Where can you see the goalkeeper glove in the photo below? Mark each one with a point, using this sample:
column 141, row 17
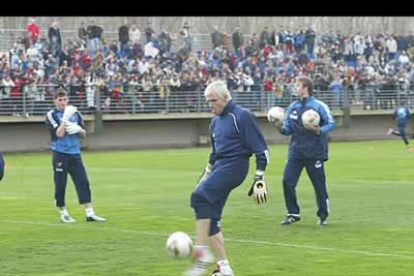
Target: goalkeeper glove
column 205, row 173
column 69, row 111
column 258, row 189
column 73, row 128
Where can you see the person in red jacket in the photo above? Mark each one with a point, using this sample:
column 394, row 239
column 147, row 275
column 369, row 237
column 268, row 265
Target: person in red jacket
column 16, row 96
column 33, row 30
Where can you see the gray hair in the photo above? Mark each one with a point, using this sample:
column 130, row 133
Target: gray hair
column 220, row 88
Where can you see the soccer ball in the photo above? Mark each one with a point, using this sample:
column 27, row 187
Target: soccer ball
column 179, row 245
column 275, row 116
column 310, row 118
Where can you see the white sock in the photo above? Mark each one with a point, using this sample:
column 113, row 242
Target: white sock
column 89, row 212
column 225, row 268
column 202, row 248
column 64, row 212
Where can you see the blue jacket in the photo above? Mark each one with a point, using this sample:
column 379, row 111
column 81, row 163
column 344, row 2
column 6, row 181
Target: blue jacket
column 305, row 143
column 235, row 133
column 401, row 114
column 69, row 144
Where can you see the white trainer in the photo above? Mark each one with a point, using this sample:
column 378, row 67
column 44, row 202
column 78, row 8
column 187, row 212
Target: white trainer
column 95, row 218
column 202, row 261
column 66, row 219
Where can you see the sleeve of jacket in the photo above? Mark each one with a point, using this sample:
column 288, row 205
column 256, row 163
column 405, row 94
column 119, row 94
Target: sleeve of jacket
column 253, row 138
column 80, row 120
column 52, row 122
column 212, row 157
column 327, row 121
column 287, row 128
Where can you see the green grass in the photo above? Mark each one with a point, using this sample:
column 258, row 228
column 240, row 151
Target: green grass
column 145, row 196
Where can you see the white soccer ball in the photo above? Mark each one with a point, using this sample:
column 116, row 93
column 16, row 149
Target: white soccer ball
column 179, row 245
column 310, row 118
column 275, row 115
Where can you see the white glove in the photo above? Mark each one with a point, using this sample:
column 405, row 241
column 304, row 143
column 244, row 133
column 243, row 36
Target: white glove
column 69, row 111
column 73, row 128
column 258, row 189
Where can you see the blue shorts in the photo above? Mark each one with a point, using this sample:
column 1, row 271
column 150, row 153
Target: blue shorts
column 210, row 196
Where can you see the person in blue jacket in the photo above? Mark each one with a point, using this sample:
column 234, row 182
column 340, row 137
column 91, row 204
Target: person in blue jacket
column 308, row 149
column 401, row 114
column 66, row 127
column 235, row 137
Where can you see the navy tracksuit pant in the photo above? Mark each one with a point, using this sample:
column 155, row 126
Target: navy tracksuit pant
column 401, row 132
column 72, row 164
column 316, row 171
column 210, row 196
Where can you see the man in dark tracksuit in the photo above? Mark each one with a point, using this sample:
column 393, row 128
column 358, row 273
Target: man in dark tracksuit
column 1, row 166
column 401, row 114
column 308, row 149
column 66, row 126
column 235, row 136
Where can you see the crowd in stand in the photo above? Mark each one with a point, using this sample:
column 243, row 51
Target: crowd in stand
column 145, row 68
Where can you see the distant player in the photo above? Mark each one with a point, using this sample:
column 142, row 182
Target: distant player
column 66, row 126
column 401, row 114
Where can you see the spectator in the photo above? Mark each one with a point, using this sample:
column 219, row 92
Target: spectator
column 55, row 39
column 83, row 34
column 94, row 35
column 123, row 37
column 33, row 30
column 134, row 34
column 336, row 88
column 391, row 48
column 264, row 38
column 149, row 32
column 310, row 37
column 215, row 37
column 165, row 41
column 237, row 41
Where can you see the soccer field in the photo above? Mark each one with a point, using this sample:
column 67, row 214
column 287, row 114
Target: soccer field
column 145, row 196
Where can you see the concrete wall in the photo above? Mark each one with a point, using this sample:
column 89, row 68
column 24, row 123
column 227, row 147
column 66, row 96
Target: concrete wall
column 162, row 133
column 347, row 24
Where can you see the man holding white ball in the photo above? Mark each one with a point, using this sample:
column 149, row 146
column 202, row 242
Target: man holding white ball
column 65, row 123
column 308, row 120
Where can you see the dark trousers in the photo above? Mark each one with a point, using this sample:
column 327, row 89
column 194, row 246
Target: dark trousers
column 210, row 196
column 316, row 172
column 401, row 133
column 72, row 164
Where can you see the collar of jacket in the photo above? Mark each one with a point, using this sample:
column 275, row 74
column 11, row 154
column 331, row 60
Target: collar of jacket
column 305, row 99
column 228, row 107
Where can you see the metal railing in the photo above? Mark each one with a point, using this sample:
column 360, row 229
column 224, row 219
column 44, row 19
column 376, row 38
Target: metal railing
column 38, row 100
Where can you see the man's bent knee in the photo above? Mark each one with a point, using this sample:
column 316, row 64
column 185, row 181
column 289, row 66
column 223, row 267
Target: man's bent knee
column 202, row 207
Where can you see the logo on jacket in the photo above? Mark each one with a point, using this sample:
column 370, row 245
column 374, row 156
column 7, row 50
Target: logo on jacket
column 318, row 164
column 294, row 115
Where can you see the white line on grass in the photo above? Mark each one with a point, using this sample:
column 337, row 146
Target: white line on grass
column 255, row 242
